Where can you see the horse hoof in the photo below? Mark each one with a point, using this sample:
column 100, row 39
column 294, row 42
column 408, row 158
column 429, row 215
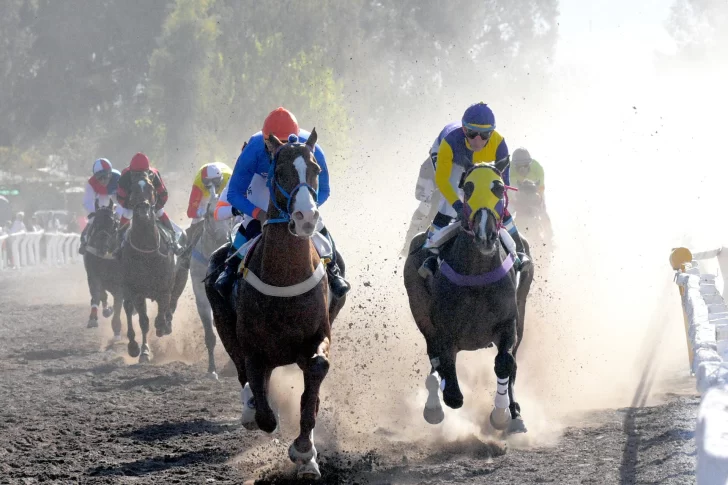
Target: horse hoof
column 133, row 349
column 309, row 471
column 302, row 458
column 107, row 312
column 144, row 358
column 212, row 375
column 116, row 338
column 433, row 412
column 517, row 426
column 453, row 402
column 160, row 332
column 500, row 418
column 92, row 323
column 248, row 418
column 168, row 329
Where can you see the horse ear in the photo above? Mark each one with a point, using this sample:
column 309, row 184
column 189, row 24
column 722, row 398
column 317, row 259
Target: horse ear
column 468, row 190
column 111, row 203
column 498, row 189
column 502, row 164
column 311, row 142
column 275, row 141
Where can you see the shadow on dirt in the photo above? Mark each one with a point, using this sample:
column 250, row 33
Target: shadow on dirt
column 98, row 370
column 159, row 464
column 165, row 431
column 158, row 383
column 50, row 354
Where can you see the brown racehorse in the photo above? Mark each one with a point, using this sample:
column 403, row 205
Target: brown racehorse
column 283, row 307
column 147, row 266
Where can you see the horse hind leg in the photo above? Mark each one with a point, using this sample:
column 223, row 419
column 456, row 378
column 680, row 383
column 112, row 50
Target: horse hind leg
column 116, row 317
column 107, row 311
column 302, row 451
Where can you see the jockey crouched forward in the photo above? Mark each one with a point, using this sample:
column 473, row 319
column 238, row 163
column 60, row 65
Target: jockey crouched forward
column 248, row 194
column 212, row 178
column 474, row 141
column 140, row 163
column 100, row 190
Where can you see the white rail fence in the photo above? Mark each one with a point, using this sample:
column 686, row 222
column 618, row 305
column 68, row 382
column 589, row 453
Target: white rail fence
column 23, row 249
column 706, row 329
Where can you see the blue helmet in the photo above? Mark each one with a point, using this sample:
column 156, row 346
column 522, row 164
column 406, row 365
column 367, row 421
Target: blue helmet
column 479, row 117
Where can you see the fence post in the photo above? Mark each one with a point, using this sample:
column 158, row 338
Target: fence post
column 678, row 258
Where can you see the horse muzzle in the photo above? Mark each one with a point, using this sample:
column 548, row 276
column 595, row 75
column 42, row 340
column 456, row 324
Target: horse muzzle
column 485, row 228
column 304, row 222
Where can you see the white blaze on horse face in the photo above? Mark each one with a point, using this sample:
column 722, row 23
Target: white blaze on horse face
column 304, row 211
column 483, row 225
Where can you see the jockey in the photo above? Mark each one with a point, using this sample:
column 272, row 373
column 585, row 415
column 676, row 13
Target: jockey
column 526, row 168
column 100, row 190
column 250, row 197
column 475, row 141
column 140, row 163
column 211, row 177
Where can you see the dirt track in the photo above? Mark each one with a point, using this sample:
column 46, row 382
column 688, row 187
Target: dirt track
column 72, row 411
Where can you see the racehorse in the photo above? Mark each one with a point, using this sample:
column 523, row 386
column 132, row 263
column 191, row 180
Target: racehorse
column 475, row 299
column 147, row 262
column 214, row 234
column 283, row 308
column 102, row 268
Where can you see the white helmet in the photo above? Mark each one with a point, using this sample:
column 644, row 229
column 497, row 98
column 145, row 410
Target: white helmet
column 211, row 174
column 521, row 157
column 102, row 165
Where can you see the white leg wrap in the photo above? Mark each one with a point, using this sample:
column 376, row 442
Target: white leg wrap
column 501, row 396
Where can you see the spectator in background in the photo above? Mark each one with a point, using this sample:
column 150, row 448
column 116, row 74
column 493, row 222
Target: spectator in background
column 18, row 225
column 73, row 224
column 34, row 226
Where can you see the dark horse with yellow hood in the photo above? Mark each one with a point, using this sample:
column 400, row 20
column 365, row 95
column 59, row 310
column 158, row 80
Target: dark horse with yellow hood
column 475, row 300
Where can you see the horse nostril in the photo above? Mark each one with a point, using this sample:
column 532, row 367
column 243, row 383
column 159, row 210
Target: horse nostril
column 298, row 215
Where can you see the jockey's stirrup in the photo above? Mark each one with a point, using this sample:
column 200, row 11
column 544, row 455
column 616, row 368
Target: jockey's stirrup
column 339, row 286
column 522, row 261
column 429, row 266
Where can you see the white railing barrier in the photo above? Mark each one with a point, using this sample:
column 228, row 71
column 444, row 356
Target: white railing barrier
column 23, row 249
column 706, row 329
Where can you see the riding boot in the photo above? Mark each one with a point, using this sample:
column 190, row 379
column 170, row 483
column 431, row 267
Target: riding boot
column 522, row 259
column 339, row 286
column 84, row 239
column 224, row 282
column 430, row 265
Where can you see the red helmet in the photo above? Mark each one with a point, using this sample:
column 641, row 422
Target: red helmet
column 281, row 123
column 139, row 163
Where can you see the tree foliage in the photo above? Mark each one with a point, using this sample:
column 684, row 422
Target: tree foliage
column 187, row 81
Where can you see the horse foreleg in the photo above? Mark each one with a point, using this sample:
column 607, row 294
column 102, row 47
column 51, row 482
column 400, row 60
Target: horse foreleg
column 303, row 451
column 132, row 347
column 506, row 414
column 445, row 366
column 163, row 321
column 203, row 309
column 258, row 374
column 94, row 286
column 140, row 303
